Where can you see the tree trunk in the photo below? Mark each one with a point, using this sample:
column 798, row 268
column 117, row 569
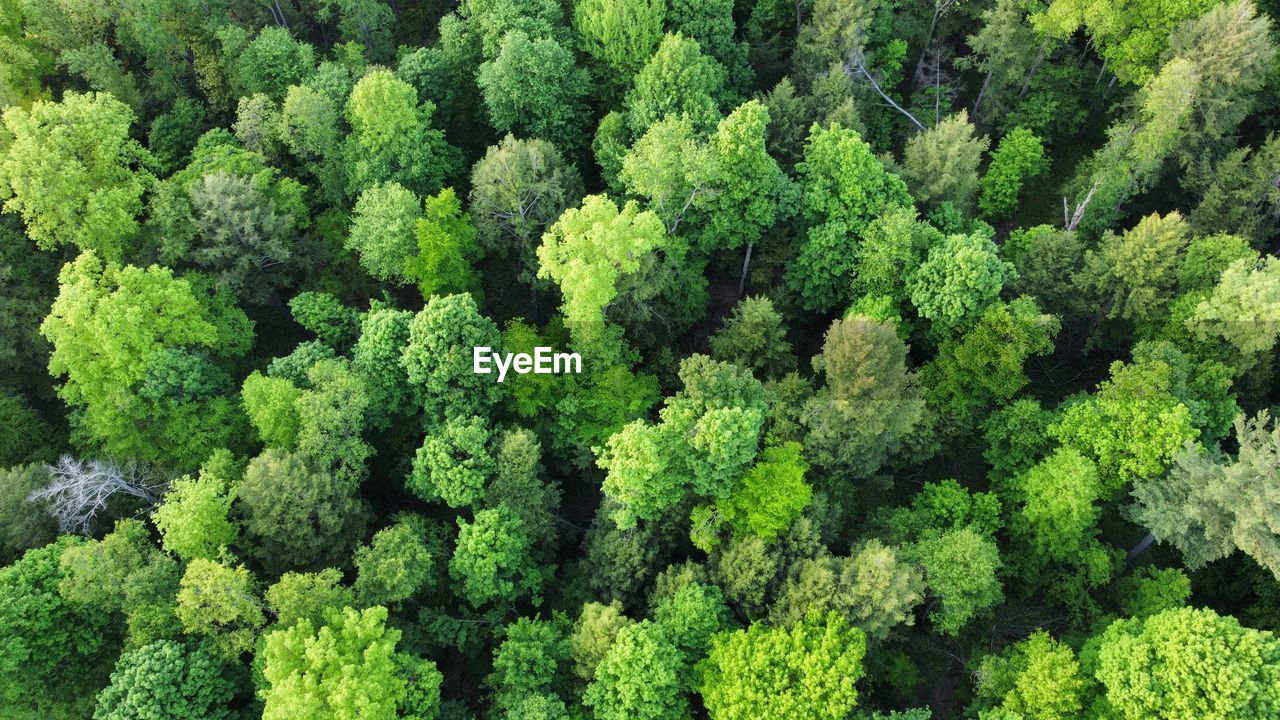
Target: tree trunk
column 981, row 94
column 928, row 38
column 1138, row 549
column 746, row 262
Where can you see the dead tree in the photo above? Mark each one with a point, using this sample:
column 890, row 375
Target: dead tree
column 81, row 489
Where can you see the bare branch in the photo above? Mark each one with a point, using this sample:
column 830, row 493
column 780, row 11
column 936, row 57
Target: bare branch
column 80, row 489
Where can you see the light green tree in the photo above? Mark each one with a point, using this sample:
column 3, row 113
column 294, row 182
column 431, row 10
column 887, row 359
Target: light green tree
column 806, row 671
column 71, row 171
column 1189, row 663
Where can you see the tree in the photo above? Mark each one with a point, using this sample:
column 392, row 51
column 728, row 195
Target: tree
column 1057, row 514
column 346, row 667
column 395, row 565
column 940, row 165
column 869, row 402
column 984, row 368
column 1242, row 309
column 1018, row 158
column 384, row 221
column 1131, row 38
column 1133, row 274
column 107, row 324
column 219, row 603
column 384, row 333
column 242, row 238
column 617, row 266
column 957, row 281
column 708, row 435
column 748, row 191
column 296, row 516
column 53, row 647
column 1188, row 663
column 619, row 36
column 494, row 559
column 438, row 358
column 447, row 248
column 639, row 677
column 807, row 671
column 1131, row 427
column 272, row 62
column 1207, row 507
column 454, row 464
column 875, row 589
column 893, row 246
column 770, row 496
column 843, row 188
column 960, row 571
column 677, row 80
column 527, row 665
column 392, row 139
column 1038, row 677
column 322, row 313
column 270, row 403
column 78, row 491
column 298, row 596
column 711, row 24
column 518, row 483
column 193, row 518
column 753, row 336
column 534, row 88
column 593, row 634
column 168, row 679
column 24, row 524
column 1042, row 256
column 518, row 189
column 71, row 171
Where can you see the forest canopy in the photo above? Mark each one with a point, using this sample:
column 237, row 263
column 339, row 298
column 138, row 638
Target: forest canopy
column 927, row 359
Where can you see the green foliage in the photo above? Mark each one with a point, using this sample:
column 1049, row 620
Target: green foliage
column 940, row 165
column 392, row 139
column 394, row 565
column 1188, row 663
column 193, row 519
column 869, row 402
column 219, row 603
column 24, row 524
column 960, row 570
column 382, row 230
column 346, row 667
column 299, row 596
column 641, row 676
column 843, row 189
column 69, row 170
column 1207, row 507
column 619, row 36
column 250, row 251
column 874, row 589
column 806, row 671
column 167, row 679
column 50, row 643
column 1019, row 157
column 447, row 248
column 106, row 326
column 454, row 464
column 532, row 87
column 494, row 560
column 958, row 280
column 1131, row 427
column 438, row 358
column 1038, row 677
column 294, row 515
column 754, row 337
